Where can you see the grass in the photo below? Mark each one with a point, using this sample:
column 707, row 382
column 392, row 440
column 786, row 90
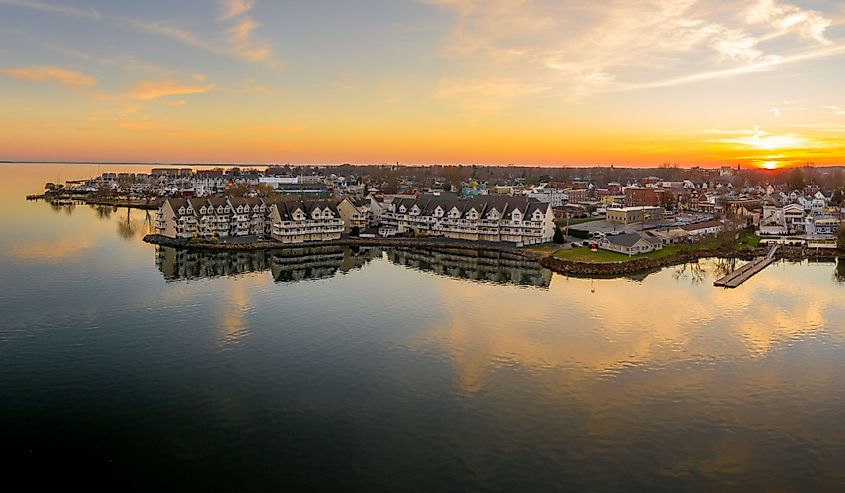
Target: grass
column 581, row 220
column 584, row 254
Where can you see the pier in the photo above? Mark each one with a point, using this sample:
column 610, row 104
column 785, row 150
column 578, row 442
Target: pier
column 747, row 271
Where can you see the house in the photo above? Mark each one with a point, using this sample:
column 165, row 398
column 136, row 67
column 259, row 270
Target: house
column 498, row 218
column 631, row 243
column 637, row 196
column 793, row 217
column 671, row 236
column 304, row 221
column 704, row 228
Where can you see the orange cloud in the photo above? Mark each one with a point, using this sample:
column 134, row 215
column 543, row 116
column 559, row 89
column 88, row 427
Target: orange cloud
column 234, row 8
column 240, row 35
column 65, row 77
column 155, row 89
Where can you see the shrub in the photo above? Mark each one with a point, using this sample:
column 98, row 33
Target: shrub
column 198, row 240
column 558, row 238
column 579, row 233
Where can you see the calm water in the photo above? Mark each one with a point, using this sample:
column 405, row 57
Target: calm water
column 401, row 370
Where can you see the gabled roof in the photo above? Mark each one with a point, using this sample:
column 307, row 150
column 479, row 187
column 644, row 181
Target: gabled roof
column 704, row 225
column 483, row 204
column 287, row 208
column 627, row 239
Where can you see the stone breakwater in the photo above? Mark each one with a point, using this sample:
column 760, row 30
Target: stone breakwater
column 374, row 242
column 637, row 265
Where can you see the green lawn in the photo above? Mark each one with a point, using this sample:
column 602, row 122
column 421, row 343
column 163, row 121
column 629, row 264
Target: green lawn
column 581, row 220
column 584, row 254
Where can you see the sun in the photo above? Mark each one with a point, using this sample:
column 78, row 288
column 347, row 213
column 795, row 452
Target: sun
column 770, row 164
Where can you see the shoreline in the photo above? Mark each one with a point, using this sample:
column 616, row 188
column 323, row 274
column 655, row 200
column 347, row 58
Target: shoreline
column 129, row 204
column 156, row 239
column 569, row 267
column 556, row 265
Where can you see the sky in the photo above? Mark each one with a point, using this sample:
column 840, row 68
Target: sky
column 528, row 82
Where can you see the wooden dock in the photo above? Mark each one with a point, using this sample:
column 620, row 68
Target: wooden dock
column 748, row 270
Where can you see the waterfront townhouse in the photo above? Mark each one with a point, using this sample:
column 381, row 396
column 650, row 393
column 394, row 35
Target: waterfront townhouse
column 354, row 213
column 303, row 221
column 517, row 220
column 196, row 216
column 250, row 216
column 176, row 219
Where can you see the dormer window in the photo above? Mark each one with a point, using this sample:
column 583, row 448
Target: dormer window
column 438, row 212
column 181, row 210
column 415, row 210
column 402, row 209
column 227, row 209
column 316, row 214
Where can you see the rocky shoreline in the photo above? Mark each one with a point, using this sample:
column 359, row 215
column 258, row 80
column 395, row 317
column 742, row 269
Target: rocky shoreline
column 160, row 240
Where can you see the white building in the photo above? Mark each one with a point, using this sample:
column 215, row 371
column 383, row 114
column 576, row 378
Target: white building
column 496, row 218
column 298, row 222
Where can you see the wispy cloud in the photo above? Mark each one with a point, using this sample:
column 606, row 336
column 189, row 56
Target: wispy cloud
column 240, row 36
column 582, row 48
column 65, row 77
column 790, row 18
column 156, row 89
column 234, row 8
column 89, row 13
column 236, row 37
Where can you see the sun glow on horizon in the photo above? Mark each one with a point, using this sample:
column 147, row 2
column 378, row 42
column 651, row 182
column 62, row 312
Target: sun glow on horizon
column 104, row 81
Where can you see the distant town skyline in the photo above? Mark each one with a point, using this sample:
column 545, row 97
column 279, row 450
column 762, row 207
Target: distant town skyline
column 527, row 82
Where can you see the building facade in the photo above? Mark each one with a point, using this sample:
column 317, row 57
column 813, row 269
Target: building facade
column 517, row 220
column 305, row 221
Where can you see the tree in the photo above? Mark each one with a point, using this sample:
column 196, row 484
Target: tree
column 558, row 237
column 840, row 237
column 796, row 179
column 354, row 231
column 837, row 197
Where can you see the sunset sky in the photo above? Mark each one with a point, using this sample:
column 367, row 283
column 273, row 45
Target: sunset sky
column 549, row 82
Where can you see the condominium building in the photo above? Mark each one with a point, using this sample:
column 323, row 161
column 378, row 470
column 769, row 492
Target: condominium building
column 213, row 217
column 298, row 222
column 517, row 220
column 354, row 213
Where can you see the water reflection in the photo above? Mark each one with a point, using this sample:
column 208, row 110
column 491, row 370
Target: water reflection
column 494, row 267
column 302, row 264
column 839, row 273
